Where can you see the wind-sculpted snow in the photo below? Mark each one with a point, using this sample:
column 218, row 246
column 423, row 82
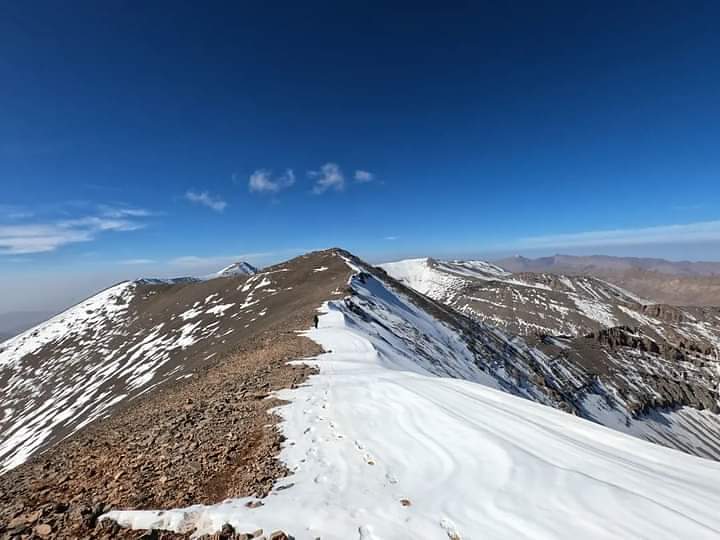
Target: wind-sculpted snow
column 122, row 343
column 382, row 444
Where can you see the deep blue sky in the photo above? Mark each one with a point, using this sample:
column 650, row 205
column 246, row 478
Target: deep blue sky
column 485, row 129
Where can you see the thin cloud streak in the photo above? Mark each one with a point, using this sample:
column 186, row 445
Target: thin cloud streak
column 137, row 261
column 44, row 236
column 203, row 198
column 706, row 231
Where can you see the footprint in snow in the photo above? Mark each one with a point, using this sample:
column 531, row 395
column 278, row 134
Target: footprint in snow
column 366, row 533
column 366, row 455
column 391, row 477
column 321, row 479
column 450, row 529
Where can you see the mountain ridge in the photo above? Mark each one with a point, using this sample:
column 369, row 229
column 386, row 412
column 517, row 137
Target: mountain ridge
column 149, row 405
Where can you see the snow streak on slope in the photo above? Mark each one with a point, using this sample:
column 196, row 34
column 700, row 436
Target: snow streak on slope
column 381, row 447
column 108, row 304
column 25, row 429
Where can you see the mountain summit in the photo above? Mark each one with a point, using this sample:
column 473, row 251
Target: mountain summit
column 238, row 268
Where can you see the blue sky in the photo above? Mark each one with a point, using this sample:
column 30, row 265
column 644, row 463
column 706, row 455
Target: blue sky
column 165, row 138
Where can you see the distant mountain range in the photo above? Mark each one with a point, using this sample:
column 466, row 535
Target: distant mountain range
column 590, row 262
column 681, row 283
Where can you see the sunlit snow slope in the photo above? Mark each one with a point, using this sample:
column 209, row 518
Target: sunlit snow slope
column 401, row 436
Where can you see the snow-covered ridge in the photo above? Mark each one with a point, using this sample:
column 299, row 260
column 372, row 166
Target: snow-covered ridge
column 107, row 305
column 401, row 435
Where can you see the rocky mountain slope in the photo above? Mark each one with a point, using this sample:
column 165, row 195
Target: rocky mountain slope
column 121, row 343
column 150, row 404
column 681, row 283
column 647, row 369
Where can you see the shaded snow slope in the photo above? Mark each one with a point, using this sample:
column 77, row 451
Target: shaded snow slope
column 383, row 444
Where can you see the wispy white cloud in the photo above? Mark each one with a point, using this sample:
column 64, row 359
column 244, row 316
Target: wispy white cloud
column 706, row 231
column 328, row 177
column 205, row 199
column 136, row 261
column 362, row 177
column 40, row 237
column 262, row 181
column 100, row 223
column 124, row 212
column 391, row 238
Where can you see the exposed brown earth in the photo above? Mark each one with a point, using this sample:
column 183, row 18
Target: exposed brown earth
column 197, row 440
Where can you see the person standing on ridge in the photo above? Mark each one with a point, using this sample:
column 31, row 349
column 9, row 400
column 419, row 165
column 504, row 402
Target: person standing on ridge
column 316, row 320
